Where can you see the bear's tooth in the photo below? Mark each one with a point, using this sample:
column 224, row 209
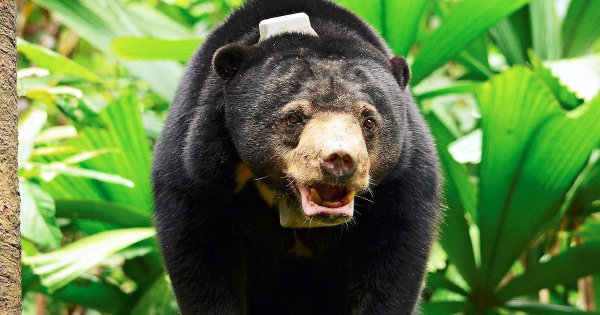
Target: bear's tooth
column 351, row 194
column 315, row 196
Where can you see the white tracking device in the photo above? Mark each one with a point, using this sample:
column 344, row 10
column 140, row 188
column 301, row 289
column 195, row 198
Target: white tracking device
column 293, row 23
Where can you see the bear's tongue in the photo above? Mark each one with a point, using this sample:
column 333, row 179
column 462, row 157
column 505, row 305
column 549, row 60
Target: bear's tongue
column 327, row 200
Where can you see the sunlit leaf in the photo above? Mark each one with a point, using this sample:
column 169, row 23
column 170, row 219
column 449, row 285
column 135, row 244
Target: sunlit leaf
column 580, row 28
column 509, row 43
column 49, row 171
column 84, row 156
column 99, row 22
column 46, row 58
column 140, row 48
column 467, row 149
column 56, row 133
column 153, row 125
column 50, row 151
column 581, row 75
column 30, row 124
column 125, row 136
column 567, row 98
column 371, row 11
column 545, row 29
column 524, row 174
column 38, row 221
column 70, row 101
column 58, row 268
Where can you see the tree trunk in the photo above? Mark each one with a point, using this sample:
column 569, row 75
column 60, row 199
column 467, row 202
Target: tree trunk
column 10, row 244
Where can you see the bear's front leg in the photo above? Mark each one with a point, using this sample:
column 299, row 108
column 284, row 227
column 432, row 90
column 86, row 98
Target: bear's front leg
column 390, row 247
column 205, row 262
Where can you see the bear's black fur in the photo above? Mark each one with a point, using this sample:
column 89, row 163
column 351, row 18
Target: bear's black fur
column 226, row 252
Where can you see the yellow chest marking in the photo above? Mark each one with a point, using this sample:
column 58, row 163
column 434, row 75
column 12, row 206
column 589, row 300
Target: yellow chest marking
column 243, row 175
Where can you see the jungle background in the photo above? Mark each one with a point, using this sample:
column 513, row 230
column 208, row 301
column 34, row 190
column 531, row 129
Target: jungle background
column 508, row 87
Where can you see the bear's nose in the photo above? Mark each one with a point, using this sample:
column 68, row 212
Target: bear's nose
column 338, row 164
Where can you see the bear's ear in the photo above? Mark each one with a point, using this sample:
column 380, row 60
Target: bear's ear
column 400, row 70
column 228, row 59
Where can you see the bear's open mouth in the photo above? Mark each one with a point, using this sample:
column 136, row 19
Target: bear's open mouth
column 326, row 200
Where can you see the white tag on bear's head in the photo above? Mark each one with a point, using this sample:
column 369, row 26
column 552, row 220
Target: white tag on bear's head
column 293, row 23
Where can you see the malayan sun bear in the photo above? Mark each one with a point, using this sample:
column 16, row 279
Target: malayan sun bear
column 295, row 174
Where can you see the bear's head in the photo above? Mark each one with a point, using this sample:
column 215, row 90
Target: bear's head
column 318, row 122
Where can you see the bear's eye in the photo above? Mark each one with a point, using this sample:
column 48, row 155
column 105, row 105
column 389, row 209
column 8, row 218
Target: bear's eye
column 369, row 123
column 294, row 119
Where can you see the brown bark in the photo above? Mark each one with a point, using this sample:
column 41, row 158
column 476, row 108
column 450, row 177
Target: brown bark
column 10, row 244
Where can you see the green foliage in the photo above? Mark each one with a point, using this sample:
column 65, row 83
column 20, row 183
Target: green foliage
column 469, row 20
column 135, row 48
column 46, row 58
column 516, row 126
column 580, row 31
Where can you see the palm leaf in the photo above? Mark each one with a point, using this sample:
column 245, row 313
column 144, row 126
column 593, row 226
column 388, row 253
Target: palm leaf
column 58, row 268
column 99, row 22
column 532, row 152
column 542, row 309
column 585, row 257
column 460, row 198
column 580, row 30
column 468, row 21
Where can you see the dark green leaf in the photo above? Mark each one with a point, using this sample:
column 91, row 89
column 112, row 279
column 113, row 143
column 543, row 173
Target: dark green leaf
column 460, row 195
column 105, row 211
column 445, row 308
column 475, row 59
column 92, row 293
column 542, row 309
column 158, row 298
column 469, row 20
column 568, row 266
column 437, row 280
